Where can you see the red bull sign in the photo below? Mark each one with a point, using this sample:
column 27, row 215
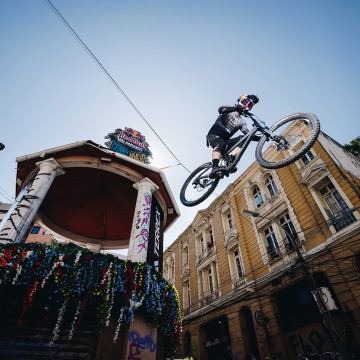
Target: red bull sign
column 129, row 142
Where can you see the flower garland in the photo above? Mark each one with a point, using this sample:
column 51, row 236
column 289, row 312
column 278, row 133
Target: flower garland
column 95, row 282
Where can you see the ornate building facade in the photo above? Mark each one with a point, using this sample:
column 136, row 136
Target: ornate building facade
column 271, row 268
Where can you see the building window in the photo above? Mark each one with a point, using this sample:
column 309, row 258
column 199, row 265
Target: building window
column 172, row 269
column 185, row 256
column 229, row 220
column 35, row 230
column 211, row 286
column 339, row 213
column 202, row 245
column 167, row 272
column 258, row 198
column 46, row 232
column 307, row 157
column 211, row 238
column 186, row 295
column 272, row 244
column 271, row 186
column 289, row 231
column 238, row 266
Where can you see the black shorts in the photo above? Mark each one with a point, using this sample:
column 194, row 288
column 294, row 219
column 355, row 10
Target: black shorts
column 219, row 144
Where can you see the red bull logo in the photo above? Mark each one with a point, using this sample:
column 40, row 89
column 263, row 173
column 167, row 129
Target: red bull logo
column 134, row 133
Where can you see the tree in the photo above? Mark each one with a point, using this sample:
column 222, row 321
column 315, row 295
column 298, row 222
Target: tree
column 354, row 146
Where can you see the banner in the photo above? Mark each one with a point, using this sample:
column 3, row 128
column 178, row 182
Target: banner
column 156, row 235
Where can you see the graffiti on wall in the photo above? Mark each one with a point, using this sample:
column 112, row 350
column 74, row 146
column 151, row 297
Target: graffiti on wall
column 141, row 341
column 314, row 345
column 138, row 345
column 329, row 355
column 142, row 221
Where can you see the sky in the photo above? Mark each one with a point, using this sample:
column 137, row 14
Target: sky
column 177, row 62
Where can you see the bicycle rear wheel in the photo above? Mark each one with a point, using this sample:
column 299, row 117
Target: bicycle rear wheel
column 291, row 138
column 198, row 186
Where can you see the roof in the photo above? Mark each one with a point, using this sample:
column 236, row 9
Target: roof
column 94, row 201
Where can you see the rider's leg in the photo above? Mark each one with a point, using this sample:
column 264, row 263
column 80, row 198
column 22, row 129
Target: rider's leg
column 215, row 158
column 218, row 145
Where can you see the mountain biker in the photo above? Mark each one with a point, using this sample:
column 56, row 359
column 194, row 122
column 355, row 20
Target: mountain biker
column 226, row 125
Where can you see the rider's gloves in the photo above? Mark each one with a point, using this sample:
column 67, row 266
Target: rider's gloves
column 239, row 109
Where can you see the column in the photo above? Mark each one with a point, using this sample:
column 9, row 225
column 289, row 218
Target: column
column 139, row 238
column 16, row 227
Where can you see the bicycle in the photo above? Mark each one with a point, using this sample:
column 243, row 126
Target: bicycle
column 279, row 146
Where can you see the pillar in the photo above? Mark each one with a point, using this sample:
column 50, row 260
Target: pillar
column 139, row 237
column 16, row 227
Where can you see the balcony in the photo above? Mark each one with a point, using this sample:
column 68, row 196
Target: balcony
column 209, row 298
column 237, row 283
column 342, row 219
column 205, row 254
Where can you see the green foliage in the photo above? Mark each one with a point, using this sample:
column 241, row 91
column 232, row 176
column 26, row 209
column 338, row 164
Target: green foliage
column 354, row 146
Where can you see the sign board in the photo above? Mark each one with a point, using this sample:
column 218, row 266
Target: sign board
column 129, row 142
column 156, row 234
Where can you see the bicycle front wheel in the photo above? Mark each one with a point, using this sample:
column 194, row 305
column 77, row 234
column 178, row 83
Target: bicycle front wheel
column 291, row 138
column 198, row 186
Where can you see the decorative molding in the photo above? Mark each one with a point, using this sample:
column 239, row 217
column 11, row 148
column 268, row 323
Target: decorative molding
column 313, row 174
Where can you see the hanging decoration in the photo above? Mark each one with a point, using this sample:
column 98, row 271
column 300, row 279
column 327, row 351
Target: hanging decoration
column 74, row 280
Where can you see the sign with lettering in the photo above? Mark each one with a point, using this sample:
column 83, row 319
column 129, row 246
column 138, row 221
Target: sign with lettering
column 156, row 233
column 129, row 142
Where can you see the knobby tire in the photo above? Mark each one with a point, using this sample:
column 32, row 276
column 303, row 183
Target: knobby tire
column 299, row 119
column 209, row 185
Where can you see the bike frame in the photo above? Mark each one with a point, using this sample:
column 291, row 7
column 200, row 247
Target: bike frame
column 245, row 140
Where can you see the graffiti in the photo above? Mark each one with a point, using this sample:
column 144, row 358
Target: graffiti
column 18, row 211
column 133, row 352
column 329, row 355
column 138, row 343
column 261, row 336
column 157, row 232
column 315, row 341
column 142, row 223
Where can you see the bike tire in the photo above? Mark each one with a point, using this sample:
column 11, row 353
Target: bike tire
column 300, row 129
column 198, row 182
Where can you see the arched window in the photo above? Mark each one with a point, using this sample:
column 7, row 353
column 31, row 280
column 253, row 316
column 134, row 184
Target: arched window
column 258, row 198
column 271, row 186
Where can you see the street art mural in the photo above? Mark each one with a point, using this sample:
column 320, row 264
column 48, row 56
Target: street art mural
column 141, row 343
column 142, row 223
column 129, row 142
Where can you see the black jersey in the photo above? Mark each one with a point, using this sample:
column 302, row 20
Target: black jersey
column 228, row 123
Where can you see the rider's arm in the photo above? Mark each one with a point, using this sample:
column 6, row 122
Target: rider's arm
column 229, row 109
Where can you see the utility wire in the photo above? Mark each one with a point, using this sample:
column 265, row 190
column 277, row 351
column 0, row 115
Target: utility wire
column 77, row 37
column 6, row 195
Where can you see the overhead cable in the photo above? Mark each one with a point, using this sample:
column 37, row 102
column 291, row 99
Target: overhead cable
column 77, row 37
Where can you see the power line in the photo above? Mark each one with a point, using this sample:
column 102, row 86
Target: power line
column 6, row 195
column 77, row 37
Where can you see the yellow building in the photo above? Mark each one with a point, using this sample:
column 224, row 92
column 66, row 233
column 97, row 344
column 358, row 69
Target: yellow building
column 281, row 278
